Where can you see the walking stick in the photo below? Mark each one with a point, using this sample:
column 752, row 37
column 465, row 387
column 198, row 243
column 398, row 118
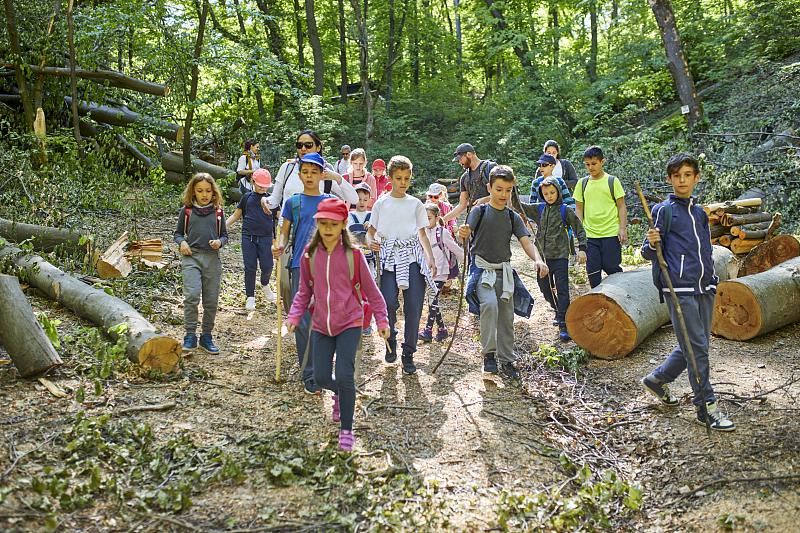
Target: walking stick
column 280, row 324
column 663, row 265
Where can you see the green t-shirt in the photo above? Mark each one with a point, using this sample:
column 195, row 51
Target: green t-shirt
column 600, row 213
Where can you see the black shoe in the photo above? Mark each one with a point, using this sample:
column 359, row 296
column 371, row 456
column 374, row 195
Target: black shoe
column 312, row 388
column 408, row 364
column 206, row 343
column 563, row 334
column 391, row 351
column 490, row 364
column 509, row 370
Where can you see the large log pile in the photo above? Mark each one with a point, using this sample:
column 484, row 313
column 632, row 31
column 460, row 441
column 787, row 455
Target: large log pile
column 739, row 226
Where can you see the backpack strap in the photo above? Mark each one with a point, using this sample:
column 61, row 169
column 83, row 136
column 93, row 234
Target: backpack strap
column 295, row 215
column 245, row 197
column 353, row 218
column 611, row 186
column 666, row 212
column 585, row 180
column 187, row 211
column 564, row 214
column 482, row 211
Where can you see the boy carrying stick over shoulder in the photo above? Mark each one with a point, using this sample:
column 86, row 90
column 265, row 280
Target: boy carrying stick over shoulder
column 491, row 278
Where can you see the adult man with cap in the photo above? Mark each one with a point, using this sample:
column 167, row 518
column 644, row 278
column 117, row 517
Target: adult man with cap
column 342, row 166
column 473, row 182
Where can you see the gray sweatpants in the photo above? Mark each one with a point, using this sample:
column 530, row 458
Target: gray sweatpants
column 202, row 275
column 497, row 321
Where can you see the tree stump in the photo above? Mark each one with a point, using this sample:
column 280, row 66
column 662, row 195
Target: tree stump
column 112, row 263
column 773, row 252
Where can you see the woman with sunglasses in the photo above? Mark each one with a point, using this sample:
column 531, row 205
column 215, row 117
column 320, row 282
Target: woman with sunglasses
column 562, row 169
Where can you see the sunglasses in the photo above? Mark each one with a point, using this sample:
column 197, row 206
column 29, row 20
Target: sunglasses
column 308, row 145
column 545, row 165
column 345, row 153
column 433, row 196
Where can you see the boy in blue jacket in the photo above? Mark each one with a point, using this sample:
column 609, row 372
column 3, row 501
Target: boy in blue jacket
column 687, row 251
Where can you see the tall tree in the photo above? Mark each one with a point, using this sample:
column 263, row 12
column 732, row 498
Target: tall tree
column 73, row 82
column 316, row 48
column 556, row 35
column 363, row 61
column 394, row 46
column 342, row 54
column 591, row 66
column 459, row 46
column 298, row 21
column 275, row 43
column 22, row 84
column 187, row 130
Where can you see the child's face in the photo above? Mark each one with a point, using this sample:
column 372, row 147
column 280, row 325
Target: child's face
column 433, row 198
column 363, row 200
column 546, row 169
column 401, row 181
column 358, row 164
column 431, row 220
column 259, row 189
column 683, row 181
column 310, row 175
column 500, row 192
column 203, row 193
column 549, row 193
column 378, row 172
column 330, row 231
column 594, row 165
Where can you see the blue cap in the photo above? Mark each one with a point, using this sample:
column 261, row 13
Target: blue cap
column 315, row 158
column 546, row 158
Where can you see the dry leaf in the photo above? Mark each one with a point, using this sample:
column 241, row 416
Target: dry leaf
column 54, row 389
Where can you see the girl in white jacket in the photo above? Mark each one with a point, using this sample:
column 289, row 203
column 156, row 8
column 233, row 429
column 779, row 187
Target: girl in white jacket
column 446, row 252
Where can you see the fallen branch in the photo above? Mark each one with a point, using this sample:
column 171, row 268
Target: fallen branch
column 727, row 481
column 112, row 78
column 44, row 239
column 156, row 407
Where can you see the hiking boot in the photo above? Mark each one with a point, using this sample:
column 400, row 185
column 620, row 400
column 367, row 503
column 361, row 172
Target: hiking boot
column 189, row 343
column 391, row 351
column 555, row 319
column 336, row 415
column 490, row 364
column 442, row 335
column 269, row 296
column 347, row 440
column 312, row 388
column 250, row 305
column 659, row 390
column 426, row 335
column 207, row 344
column 509, row 370
column 718, row 420
column 408, row 364
column 367, row 331
column 563, row 334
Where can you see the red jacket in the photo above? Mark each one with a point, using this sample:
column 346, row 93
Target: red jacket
column 336, row 306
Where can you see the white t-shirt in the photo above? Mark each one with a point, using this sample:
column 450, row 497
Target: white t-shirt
column 398, row 218
column 244, row 166
column 287, row 183
column 361, row 216
column 342, row 167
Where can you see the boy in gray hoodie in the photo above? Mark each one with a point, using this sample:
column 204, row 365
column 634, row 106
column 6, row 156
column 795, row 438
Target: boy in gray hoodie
column 553, row 218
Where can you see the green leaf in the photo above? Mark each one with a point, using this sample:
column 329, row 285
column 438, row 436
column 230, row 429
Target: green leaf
column 98, row 388
column 80, row 394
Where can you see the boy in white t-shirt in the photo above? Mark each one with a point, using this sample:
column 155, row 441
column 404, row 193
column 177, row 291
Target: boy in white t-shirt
column 405, row 257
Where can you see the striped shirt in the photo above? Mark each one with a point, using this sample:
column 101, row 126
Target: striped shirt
column 398, row 254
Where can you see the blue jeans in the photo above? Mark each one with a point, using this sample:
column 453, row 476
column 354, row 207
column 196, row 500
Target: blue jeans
column 413, row 301
column 302, row 336
column 344, row 345
column 256, row 250
column 602, row 255
column 698, row 310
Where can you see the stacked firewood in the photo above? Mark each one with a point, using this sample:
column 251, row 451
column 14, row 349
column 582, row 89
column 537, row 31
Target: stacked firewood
column 739, row 226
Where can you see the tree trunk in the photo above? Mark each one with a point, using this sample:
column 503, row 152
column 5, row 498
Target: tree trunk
column 718, row 231
column 738, row 220
column 145, row 345
column 736, row 230
column 113, row 78
column 73, row 83
column 38, row 86
column 19, row 75
column 556, row 40
column 363, row 58
column 591, row 66
column 616, row 316
column 298, row 21
column 44, row 239
column 316, row 49
column 735, row 210
column 125, row 117
column 753, row 305
column 771, row 253
column 174, row 162
column 391, row 57
column 198, row 50
column 342, row 55
column 676, row 60
column 20, row 332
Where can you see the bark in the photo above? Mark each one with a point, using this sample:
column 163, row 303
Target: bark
column 718, row 231
column 112, row 263
column 111, row 77
column 738, row 220
column 735, row 210
column 342, row 55
column 676, row 60
column 750, row 202
column 769, row 254
column 556, row 40
column 616, row 316
column 145, row 346
column 20, row 333
column 363, row 60
column 238, row 123
column 275, row 44
column 757, row 304
column 298, row 20
column 125, row 118
column 459, row 45
column 316, row 49
column 391, row 56
column 198, row 49
column 135, row 153
column 174, row 177
column 19, row 75
column 736, row 230
column 44, row 239
column 591, row 66
column 38, row 86
column 174, row 161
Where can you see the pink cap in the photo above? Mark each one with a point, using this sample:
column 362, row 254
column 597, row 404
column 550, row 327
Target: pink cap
column 262, row 177
column 332, row 209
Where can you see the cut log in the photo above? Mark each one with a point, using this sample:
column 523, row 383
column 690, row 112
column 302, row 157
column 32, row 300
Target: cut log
column 751, row 235
column 135, row 153
column 148, row 249
column 174, row 177
column 616, row 316
column 776, row 220
column 736, row 210
column 112, row 263
column 714, row 240
column 43, row 238
column 740, row 246
column 174, row 161
column 125, row 117
column 110, row 77
column 145, row 345
column 753, row 305
column 750, row 202
column 719, row 230
column 724, row 240
column 735, row 230
column 20, row 332
column 738, row 220
column 771, row 253
column 713, row 219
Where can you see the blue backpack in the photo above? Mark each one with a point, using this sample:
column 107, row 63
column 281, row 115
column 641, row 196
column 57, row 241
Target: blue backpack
column 667, row 213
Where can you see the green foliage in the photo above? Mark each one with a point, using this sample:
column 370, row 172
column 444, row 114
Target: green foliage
column 49, row 327
column 556, row 358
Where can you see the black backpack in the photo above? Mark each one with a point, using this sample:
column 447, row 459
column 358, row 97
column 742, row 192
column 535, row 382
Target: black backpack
column 667, row 213
column 484, row 169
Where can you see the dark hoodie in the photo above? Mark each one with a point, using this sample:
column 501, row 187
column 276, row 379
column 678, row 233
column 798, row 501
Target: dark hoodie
column 552, row 239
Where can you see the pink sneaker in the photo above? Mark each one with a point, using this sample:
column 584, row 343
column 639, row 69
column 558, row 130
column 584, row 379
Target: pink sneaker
column 336, row 417
column 346, row 440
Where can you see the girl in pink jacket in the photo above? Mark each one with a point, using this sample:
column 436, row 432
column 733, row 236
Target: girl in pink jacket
column 337, row 314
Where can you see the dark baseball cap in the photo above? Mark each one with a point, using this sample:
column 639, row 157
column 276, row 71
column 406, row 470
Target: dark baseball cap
column 462, row 149
column 546, row 159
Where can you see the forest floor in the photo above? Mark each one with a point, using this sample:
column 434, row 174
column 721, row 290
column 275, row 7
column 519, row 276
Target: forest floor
column 457, row 450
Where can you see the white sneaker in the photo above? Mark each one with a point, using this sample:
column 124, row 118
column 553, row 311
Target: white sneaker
column 251, row 303
column 268, row 294
column 718, row 420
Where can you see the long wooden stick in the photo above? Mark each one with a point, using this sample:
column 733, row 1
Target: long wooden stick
column 280, row 323
column 663, row 264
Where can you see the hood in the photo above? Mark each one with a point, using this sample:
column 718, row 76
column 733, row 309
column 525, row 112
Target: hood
column 554, row 182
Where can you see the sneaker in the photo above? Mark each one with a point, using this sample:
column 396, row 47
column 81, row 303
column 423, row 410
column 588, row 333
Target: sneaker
column 408, row 364
column 346, row 440
column 367, row 331
column 336, row 415
column 490, row 364
column 555, row 319
column 563, row 334
column 426, row 335
column 442, row 335
column 251, row 303
column 189, row 343
column 207, row 344
column 659, row 390
column 268, row 294
column 391, row 351
column 312, row 388
column 509, row 370
column 718, row 420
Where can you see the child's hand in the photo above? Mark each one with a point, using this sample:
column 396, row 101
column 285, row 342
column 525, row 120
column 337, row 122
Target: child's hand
column 265, row 205
column 277, row 251
column 215, row 244
column 375, row 246
column 581, row 257
column 384, row 332
column 185, row 250
column 432, row 266
column 290, row 328
column 542, row 267
column 464, row 232
column 331, row 175
column 653, row 236
column 623, row 235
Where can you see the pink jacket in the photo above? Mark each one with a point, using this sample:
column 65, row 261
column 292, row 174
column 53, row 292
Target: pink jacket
column 447, row 240
column 336, row 307
column 369, row 179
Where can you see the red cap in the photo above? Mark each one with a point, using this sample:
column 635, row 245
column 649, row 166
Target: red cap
column 379, row 163
column 332, row 209
column 262, row 177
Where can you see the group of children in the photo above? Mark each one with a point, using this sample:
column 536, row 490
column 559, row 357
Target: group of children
column 335, row 294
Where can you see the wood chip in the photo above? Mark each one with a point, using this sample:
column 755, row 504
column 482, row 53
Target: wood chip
column 54, row 389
